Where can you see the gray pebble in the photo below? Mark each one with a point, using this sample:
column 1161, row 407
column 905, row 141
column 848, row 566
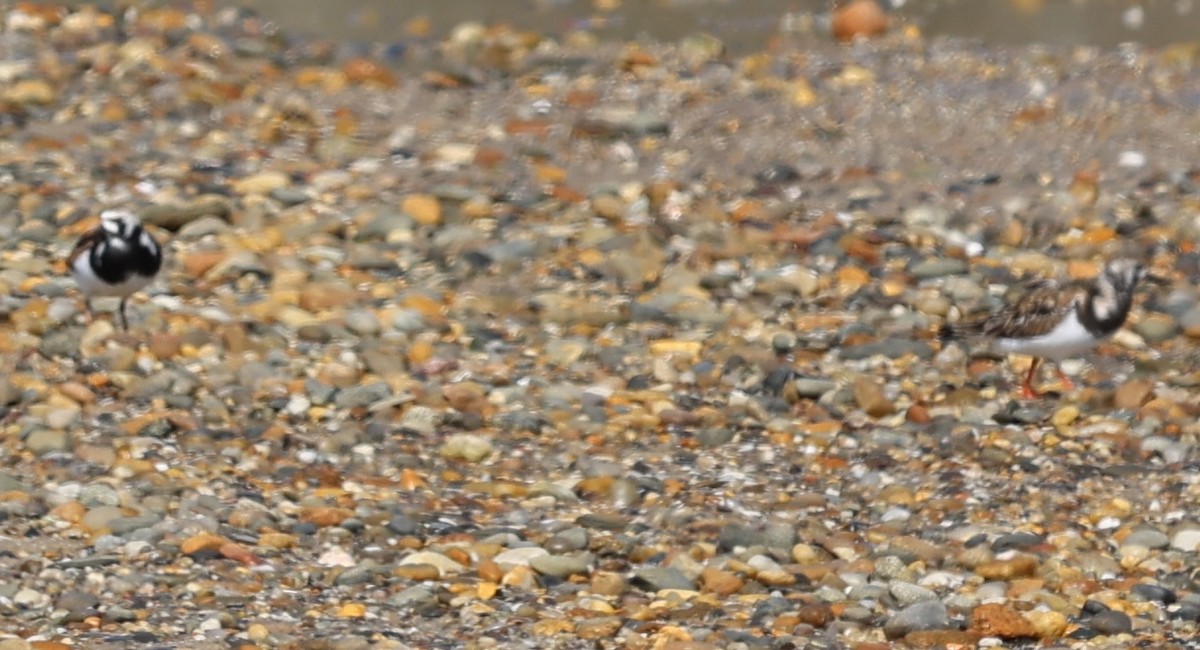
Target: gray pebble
column 173, row 216
column 74, row 600
column 1111, row 622
column 659, row 578
column 413, row 597
column 520, row 421
column 408, row 320
column 553, row 490
column 98, row 494
column 714, row 436
column 1018, row 540
column 46, row 441
column 565, row 541
column 516, row 250
column 1190, row 320
column 936, row 267
column 925, row 615
column 420, row 420
column 1097, row 565
column 811, row 387
column 401, row 524
column 10, row 483
column 1156, row 327
column 9, row 394
column 890, row 567
column 780, row 536
column 60, row 343
column 118, row 614
column 290, row 196
column 1021, row 413
column 907, row 593
column 37, row 230
column 829, row 594
column 124, row 525
column 107, row 543
column 856, row 614
column 150, row 535
column 738, row 535
column 203, row 227
column 783, row 342
column 1151, row 538
column 602, row 521
column 770, row 608
column 363, row 395
column 926, row 215
column 870, row 591
column 362, row 257
column 1153, row 593
column 315, row 333
column 320, row 393
column 362, row 322
column 384, row 224
column 358, row 575
column 559, row 566
column 891, row 438
column 153, row 386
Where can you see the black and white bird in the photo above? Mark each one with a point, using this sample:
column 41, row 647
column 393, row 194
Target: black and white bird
column 117, row 258
column 1054, row 321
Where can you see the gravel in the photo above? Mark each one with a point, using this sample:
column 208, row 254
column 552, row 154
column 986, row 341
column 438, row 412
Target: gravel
column 506, row 339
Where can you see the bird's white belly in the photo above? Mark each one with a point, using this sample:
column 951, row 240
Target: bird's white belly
column 1069, row 338
column 91, row 285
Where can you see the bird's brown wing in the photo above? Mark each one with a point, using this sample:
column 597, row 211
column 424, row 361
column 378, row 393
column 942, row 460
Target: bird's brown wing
column 1035, row 313
column 85, row 243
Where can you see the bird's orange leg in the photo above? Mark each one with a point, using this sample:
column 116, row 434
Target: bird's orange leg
column 1067, row 384
column 1027, row 390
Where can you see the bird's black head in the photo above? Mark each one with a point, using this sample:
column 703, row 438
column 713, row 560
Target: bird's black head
column 120, row 224
column 1111, row 295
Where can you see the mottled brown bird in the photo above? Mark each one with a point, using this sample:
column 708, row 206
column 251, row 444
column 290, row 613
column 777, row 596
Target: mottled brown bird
column 1055, row 321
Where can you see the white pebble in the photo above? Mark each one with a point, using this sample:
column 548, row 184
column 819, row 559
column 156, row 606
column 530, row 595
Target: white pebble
column 895, row 514
column 135, row 548
column 297, row 405
column 336, row 556
column 30, row 599
column 61, row 310
column 63, row 417
column 1132, row 160
column 1186, row 540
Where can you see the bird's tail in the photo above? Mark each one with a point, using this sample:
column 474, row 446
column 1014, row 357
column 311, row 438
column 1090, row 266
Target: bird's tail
column 948, row 333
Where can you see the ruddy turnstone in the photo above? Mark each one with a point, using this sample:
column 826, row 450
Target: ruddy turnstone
column 1052, row 321
column 117, row 258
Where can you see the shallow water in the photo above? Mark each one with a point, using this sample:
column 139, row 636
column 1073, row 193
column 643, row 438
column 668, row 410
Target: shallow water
column 746, row 25
column 743, row 25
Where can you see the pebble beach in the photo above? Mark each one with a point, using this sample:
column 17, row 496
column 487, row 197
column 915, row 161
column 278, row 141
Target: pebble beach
column 508, row 339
